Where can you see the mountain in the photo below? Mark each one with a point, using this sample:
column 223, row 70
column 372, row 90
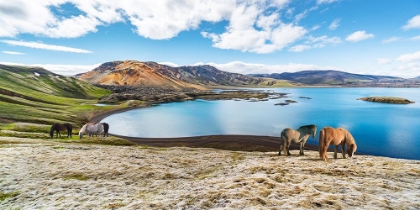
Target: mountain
column 32, row 94
column 328, row 77
column 135, row 73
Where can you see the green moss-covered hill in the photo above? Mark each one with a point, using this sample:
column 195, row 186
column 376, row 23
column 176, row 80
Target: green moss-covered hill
column 39, row 97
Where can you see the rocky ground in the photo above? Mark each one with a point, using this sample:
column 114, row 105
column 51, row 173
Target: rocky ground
column 159, row 95
column 42, row 174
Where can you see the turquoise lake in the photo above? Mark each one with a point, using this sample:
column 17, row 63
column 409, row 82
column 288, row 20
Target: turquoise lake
column 391, row 130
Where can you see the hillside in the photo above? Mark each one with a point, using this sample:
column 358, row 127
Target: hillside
column 32, row 94
column 328, row 77
column 151, row 74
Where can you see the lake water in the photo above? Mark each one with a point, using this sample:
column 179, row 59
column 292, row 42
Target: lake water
column 390, row 130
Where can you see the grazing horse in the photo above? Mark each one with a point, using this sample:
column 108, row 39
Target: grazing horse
column 336, row 137
column 298, row 136
column 92, row 129
column 61, row 127
column 106, row 128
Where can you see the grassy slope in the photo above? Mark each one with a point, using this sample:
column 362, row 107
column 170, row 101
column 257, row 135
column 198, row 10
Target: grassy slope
column 32, row 99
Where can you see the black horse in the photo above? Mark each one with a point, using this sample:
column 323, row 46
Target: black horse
column 61, row 127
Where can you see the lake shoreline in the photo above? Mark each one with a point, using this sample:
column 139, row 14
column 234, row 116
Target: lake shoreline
column 224, row 142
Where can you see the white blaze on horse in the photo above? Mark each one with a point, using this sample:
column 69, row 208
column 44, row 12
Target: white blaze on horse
column 298, row 136
column 92, row 129
column 339, row 136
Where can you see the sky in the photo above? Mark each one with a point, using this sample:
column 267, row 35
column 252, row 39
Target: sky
column 379, row 37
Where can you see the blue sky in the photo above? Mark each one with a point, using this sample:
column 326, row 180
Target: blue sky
column 380, row 37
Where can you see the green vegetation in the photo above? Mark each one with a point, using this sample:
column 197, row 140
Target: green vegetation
column 32, row 99
column 35, row 95
column 4, row 196
column 387, row 99
column 77, row 176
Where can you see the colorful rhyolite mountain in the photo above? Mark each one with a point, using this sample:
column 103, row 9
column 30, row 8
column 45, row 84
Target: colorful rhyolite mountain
column 135, row 73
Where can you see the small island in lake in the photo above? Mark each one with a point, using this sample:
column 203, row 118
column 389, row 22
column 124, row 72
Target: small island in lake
column 387, row 99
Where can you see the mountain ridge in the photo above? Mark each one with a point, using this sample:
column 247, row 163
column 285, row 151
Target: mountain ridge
column 334, row 77
column 136, row 73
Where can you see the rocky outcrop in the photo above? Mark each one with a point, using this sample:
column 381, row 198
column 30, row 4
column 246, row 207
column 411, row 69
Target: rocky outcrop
column 383, row 99
column 160, row 95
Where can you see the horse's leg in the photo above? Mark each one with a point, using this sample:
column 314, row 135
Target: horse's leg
column 325, row 149
column 342, row 149
column 301, row 148
column 281, row 145
column 335, row 151
column 287, row 147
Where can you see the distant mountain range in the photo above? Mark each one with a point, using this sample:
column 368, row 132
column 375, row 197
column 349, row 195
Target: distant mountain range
column 135, row 73
column 331, row 77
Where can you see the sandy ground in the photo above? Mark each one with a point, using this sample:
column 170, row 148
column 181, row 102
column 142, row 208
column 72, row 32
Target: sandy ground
column 51, row 175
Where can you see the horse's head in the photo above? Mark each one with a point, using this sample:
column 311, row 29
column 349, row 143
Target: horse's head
column 314, row 131
column 351, row 149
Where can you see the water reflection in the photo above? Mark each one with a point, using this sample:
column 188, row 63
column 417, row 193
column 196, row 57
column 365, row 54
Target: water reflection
column 380, row 129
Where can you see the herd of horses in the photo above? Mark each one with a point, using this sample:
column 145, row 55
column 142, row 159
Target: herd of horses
column 327, row 135
column 91, row 129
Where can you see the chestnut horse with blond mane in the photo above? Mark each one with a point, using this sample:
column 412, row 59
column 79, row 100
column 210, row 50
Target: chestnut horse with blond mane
column 339, row 136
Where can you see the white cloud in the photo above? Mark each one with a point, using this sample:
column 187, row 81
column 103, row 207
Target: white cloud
column 325, row 1
column 359, row 36
column 322, row 41
column 410, row 66
column 383, row 61
column 334, row 25
column 316, row 42
column 300, row 48
column 416, row 38
column 169, row 64
column 391, row 39
column 408, row 58
column 13, row 53
column 61, row 69
column 254, row 26
column 412, row 23
column 241, row 34
column 38, row 45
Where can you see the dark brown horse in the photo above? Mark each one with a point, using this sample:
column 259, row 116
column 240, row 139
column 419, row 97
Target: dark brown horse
column 61, row 127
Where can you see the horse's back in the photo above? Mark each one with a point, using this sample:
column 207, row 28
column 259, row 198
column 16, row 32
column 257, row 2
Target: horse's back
column 333, row 135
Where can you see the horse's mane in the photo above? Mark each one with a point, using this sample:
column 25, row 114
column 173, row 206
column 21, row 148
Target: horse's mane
column 53, row 129
column 83, row 129
column 349, row 138
column 311, row 126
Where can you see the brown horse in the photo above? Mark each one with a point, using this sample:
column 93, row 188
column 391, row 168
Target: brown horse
column 61, row 127
column 339, row 136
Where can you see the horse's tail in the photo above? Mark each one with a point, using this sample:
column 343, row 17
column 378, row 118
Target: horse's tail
column 52, row 130
column 321, row 143
column 82, row 131
column 106, row 128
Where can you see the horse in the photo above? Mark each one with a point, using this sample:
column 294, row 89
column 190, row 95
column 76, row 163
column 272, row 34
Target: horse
column 61, row 127
column 298, row 136
column 106, row 128
column 91, row 129
column 339, row 136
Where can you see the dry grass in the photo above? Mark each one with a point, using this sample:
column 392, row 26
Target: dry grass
column 58, row 175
